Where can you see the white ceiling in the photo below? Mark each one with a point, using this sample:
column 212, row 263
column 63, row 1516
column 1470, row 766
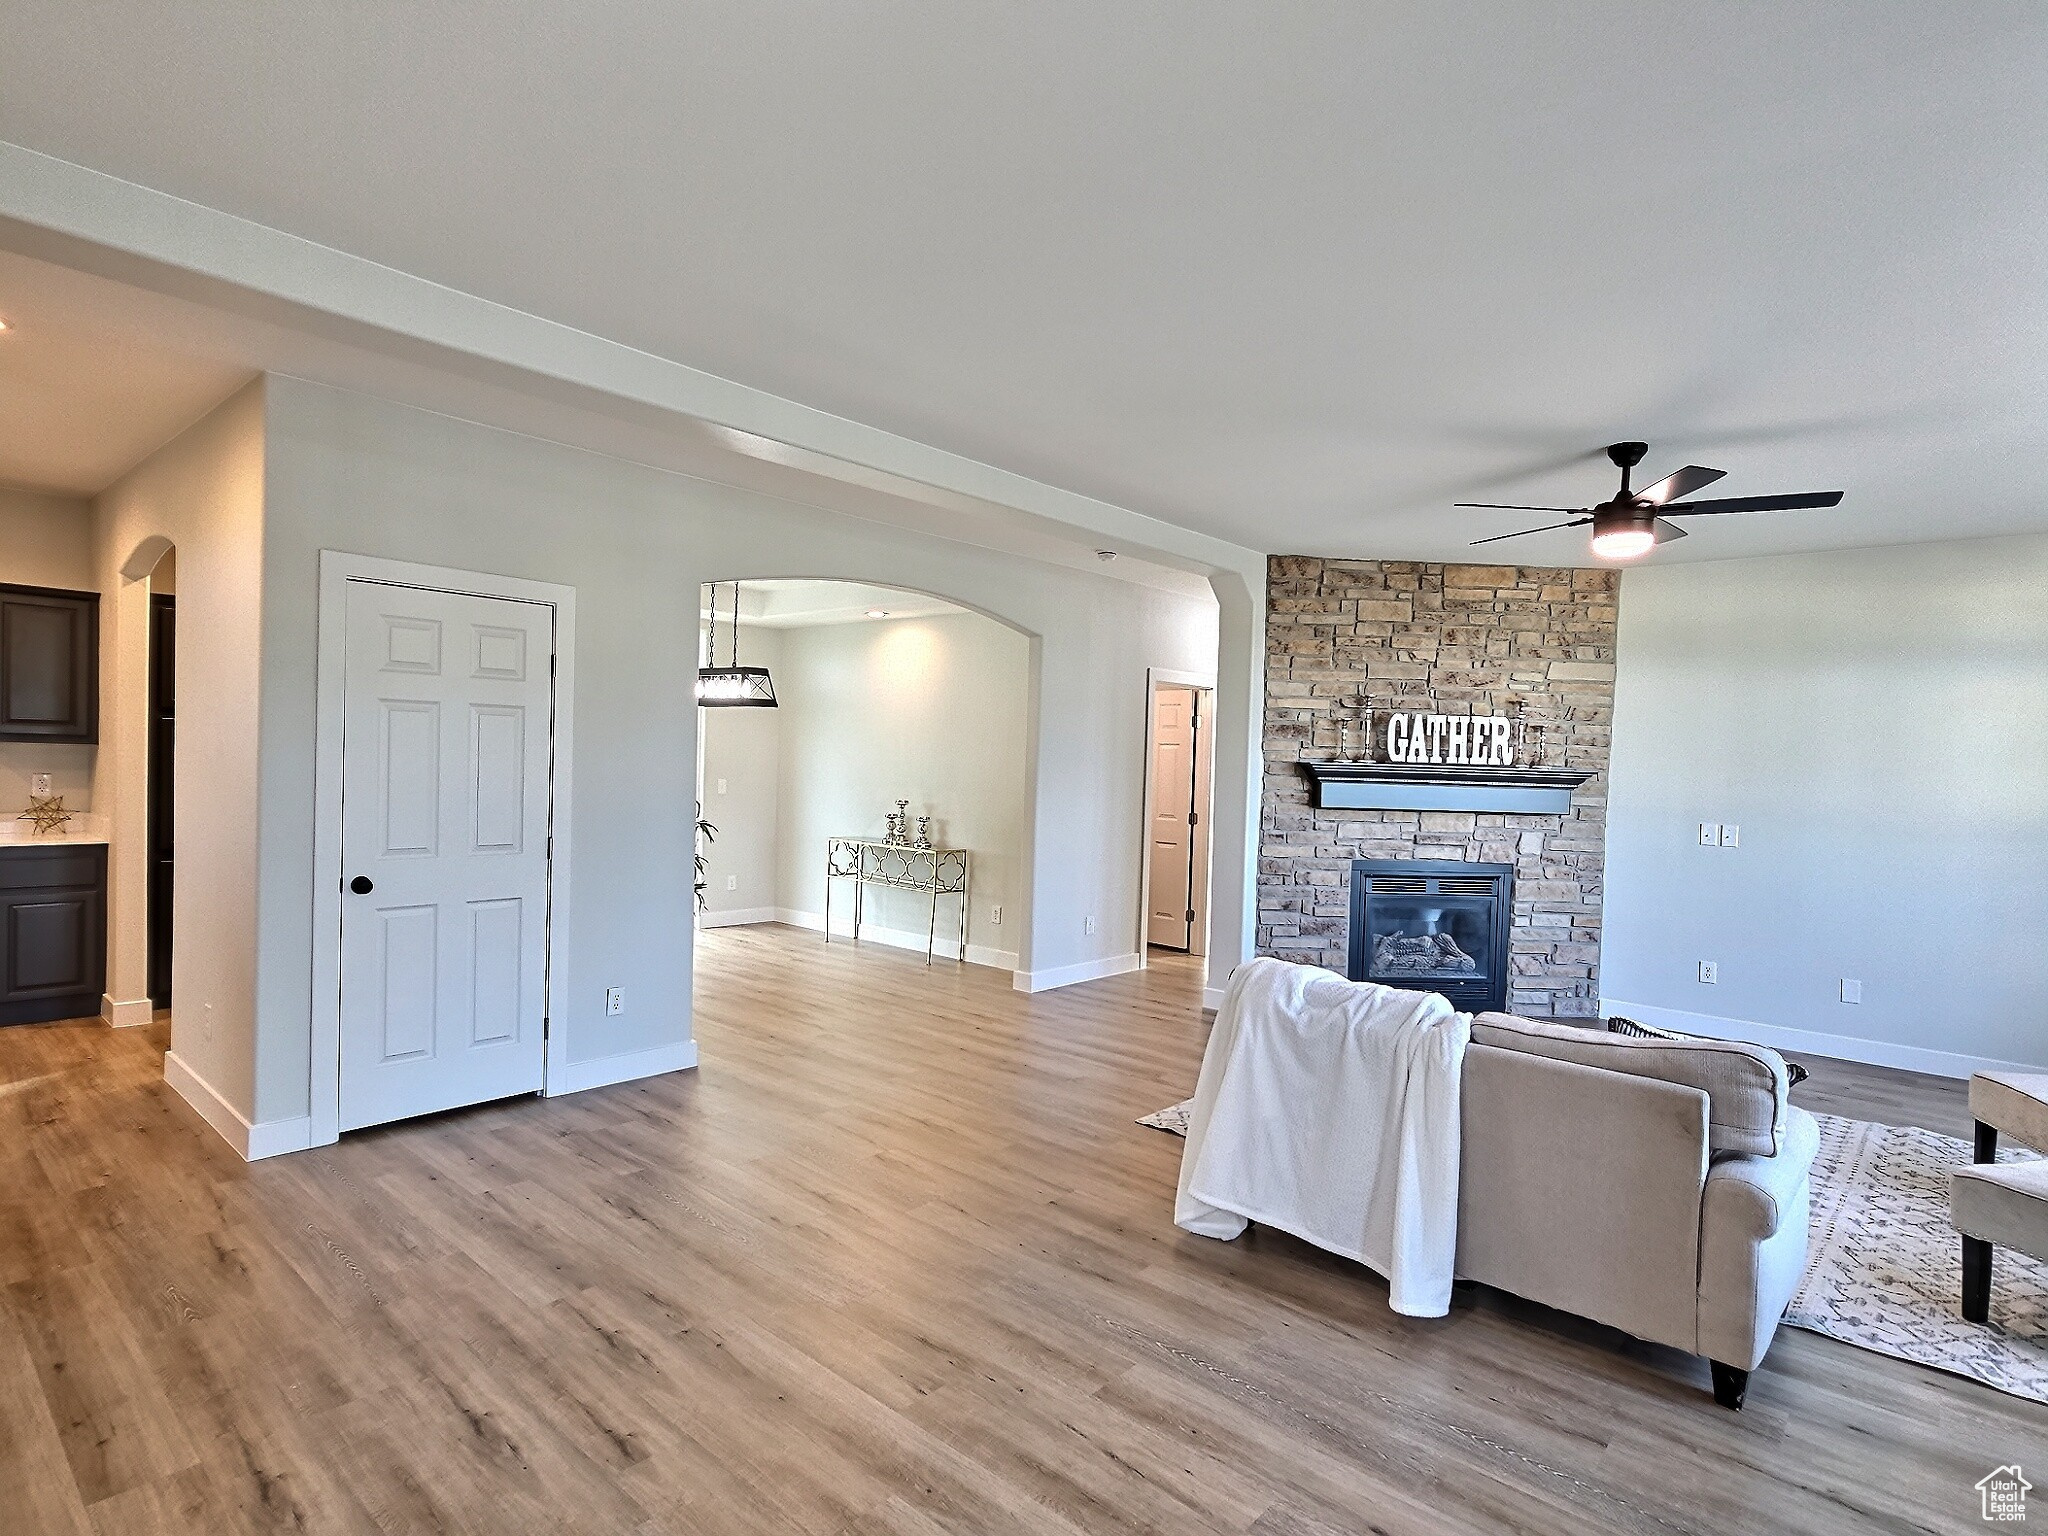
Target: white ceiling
column 1296, row 276
column 84, row 400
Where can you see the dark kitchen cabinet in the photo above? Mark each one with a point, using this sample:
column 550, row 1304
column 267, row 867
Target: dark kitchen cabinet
column 53, row 931
column 49, row 664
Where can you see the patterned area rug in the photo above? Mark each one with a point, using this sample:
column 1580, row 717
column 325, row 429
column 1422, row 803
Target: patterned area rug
column 1173, row 1118
column 1886, row 1270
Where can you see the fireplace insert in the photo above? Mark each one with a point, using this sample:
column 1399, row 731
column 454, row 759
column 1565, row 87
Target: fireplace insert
column 1433, row 925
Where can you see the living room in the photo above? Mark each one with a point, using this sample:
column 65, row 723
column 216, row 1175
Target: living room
column 1570, row 794
column 1578, row 466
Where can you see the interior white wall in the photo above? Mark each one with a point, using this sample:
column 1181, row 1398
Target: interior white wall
column 1239, row 770
column 350, row 472
column 46, row 541
column 1876, row 724
column 742, row 750
column 933, row 710
column 203, row 493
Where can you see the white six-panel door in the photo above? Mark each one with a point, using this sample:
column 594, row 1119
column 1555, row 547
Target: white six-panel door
column 1169, row 922
column 446, row 751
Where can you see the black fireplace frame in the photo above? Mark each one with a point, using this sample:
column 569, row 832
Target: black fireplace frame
column 1483, row 994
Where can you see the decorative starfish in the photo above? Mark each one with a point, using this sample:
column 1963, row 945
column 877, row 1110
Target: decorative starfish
column 47, row 812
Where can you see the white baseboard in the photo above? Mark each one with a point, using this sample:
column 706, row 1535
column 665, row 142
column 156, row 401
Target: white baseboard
column 126, row 1015
column 897, row 938
column 738, row 917
column 1069, row 975
column 264, row 1138
column 1808, row 1042
column 626, row 1067
column 1212, row 999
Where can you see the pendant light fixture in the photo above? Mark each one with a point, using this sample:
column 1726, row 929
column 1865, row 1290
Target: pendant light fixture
column 732, row 686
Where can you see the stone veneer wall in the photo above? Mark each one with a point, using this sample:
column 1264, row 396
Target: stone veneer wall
column 1481, row 638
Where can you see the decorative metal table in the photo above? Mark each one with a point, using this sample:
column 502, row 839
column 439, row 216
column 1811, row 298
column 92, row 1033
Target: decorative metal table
column 904, row 867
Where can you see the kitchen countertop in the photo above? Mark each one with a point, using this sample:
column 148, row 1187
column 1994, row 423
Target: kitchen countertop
column 82, row 828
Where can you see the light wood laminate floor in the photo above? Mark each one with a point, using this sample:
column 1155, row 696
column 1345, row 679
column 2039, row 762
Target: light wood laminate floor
column 894, row 1259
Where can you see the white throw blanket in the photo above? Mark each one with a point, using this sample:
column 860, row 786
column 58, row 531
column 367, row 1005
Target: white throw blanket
column 1329, row 1109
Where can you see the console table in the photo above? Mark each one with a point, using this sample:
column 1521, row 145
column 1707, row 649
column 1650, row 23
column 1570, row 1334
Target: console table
column 870, row 861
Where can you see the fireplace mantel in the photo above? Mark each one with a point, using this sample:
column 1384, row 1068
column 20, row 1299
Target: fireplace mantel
column 1444, row 787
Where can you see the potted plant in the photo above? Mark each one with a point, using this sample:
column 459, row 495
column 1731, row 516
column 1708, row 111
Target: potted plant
column 707, row 834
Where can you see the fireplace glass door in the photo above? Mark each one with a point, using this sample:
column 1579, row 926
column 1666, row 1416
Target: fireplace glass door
column 1432, row 925
column 1428, row 938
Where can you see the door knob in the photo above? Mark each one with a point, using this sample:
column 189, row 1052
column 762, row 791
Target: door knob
column 362, row 885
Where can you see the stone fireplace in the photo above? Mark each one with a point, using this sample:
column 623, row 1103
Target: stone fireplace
column 1534, row 643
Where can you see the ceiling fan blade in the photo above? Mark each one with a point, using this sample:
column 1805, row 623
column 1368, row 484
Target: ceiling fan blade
column 1687, row 480
column 1795, row 502
column 1667, row 531
column 1509, row 506
column 1579, row 522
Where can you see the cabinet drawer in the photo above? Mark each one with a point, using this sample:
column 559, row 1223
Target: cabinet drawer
column 31, row 867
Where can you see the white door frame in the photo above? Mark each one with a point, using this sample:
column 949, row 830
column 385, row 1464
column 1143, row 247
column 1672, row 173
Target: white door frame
column 337, row 570
column 1155, row 678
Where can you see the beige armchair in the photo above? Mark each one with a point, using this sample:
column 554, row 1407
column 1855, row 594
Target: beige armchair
column 2001, row 1205
column 1659, row 1187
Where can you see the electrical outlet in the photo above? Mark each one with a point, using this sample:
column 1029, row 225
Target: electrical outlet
column 995, row 916
column 1091, row 925
column 721, row 786
column 614, row 999
column 1731, row 835
column 1710, row 972
column 39, row 785
column 1710, row 833
column 1852, row 991
column 732, row 882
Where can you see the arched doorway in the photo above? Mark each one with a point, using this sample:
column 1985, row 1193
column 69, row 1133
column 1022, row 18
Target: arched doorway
column 160, row 755
column 903, row 719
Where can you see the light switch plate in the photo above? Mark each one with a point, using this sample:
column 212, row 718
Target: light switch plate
column 721, row 786
column 1731, row 835
column 1852, row 991
column 1710, row 833
column 1710, row 972
column 732, row 882
column 1091, row 925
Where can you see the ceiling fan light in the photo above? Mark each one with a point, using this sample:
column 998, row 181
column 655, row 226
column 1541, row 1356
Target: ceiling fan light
column 1624, row 543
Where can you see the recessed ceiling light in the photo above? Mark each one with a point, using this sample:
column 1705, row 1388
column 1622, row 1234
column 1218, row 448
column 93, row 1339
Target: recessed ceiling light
column 878, row 613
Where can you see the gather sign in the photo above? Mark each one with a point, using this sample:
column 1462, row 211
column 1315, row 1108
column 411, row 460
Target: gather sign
column 1468, row 740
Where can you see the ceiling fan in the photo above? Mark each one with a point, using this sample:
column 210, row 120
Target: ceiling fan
column 1635, row 522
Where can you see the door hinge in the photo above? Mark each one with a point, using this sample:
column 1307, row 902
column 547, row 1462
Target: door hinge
column 1191, row 914
column 1194, row 818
